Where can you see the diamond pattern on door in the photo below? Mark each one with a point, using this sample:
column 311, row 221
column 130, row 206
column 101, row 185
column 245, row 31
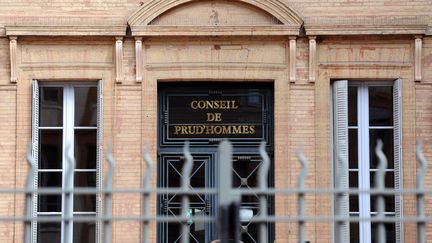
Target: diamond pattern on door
column 171, row 203
column 245, row 175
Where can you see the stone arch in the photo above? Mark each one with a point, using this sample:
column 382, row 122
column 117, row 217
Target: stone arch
column 288, row 22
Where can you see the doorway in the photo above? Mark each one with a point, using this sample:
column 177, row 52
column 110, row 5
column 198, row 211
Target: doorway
column 204, row 114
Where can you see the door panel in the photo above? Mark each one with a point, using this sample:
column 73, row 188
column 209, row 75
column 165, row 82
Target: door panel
column 199, row 204
column 245, row 176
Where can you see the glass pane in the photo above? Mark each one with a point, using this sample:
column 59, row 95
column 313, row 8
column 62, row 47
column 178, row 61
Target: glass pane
column 85, row 202
column 249, row 232
column 353, row 199
column 85, row 179
column 389, row 202
column 354, row 232
column 85, row 148
column 49, row 232
column 245, row 175
column 390, row 229
column 85, row 106
column 386, row 135
column 49, row 203
column 174, row 233
column 353, row 148
column 50, row 144
column 51, row 107
column 197, row 180
column 352, row 106
column 353, row 179
column 389, row 179
column 381, row 106
column 84, row 232
column 353, row 203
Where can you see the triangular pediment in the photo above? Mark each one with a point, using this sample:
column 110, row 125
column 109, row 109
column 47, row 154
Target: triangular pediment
column 214, row 17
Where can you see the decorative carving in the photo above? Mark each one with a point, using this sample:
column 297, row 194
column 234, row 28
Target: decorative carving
column 13, row 58
column 138, row 59
column 312, row 58
column 119, row 59
column 293, row 58
column 418, row 59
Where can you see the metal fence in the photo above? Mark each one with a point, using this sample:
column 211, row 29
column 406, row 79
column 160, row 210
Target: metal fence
column 229, row 199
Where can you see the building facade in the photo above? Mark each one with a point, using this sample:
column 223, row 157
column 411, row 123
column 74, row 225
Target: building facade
column 333, row 76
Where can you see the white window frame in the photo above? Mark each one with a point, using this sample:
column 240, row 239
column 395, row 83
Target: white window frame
column 340, row 141
column 68, row 128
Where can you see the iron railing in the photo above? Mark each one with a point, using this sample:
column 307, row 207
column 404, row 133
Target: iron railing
column 229, row 199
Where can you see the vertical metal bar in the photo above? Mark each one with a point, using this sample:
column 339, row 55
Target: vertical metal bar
column 29, row 195
column 263, row 184
column 339, row 183
column 301, row 200
column 108, row 194
column 146, row 195
column 228, row 222
column 68, row 209
column 421, row 172
column 380, row 185
column 185, row 184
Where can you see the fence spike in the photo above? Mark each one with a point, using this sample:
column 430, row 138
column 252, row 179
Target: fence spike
column 380, row 185
column 69, row 181
column 340, row 221
column 108, row 194
column 263, row 184
column 301, row 195
column 29, row 195
column 229, row 202
column 146, row 195
column 185, row 184
column 421, row 173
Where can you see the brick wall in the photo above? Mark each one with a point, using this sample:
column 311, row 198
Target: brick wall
column 301, row 107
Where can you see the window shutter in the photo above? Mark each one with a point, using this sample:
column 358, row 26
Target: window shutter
column 99, row 157
column 35, row 148
column 340, row 130
column 397, row 124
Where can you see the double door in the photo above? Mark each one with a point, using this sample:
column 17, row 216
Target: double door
column 253, row 109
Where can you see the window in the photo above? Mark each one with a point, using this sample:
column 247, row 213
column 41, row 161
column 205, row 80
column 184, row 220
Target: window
column 66, row 119
column 363, row 113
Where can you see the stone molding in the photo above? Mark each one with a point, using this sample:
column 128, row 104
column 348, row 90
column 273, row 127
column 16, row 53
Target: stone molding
column 138, row 59
column 418, row 58
column 214, row 31
column 13, row 59
column 324, row 29
column 312, row 58
column 65, row 30
column 119, row 59
column 292, row 58
column 140, row 21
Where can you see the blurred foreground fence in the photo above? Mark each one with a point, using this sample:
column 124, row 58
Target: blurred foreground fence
column 229, row 198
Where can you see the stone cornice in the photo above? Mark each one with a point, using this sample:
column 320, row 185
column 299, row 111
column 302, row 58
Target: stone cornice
column 65, row 30
column 342, row 29
column 429, row 30
column 277, row 30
